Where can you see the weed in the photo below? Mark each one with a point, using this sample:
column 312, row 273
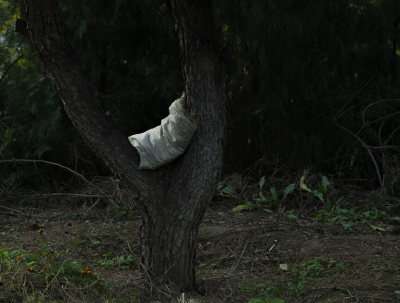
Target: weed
column 247, row 205
column 71, row 215
column 227, row 191
column 127, row 214
column 348, row 218
column 302, row 280
column 37, row 276
column 209, row 267
column 122, row 262
column 322, row 192
column 268, row 200
column 397, row 293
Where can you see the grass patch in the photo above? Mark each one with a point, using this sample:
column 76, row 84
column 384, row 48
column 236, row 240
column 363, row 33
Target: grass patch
column 46, row 277
column 297, row 281
column 348, row 218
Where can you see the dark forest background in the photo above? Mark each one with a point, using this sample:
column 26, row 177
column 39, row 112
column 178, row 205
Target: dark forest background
column 310, row 84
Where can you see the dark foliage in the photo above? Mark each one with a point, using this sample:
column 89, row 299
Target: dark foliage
column 311, row 83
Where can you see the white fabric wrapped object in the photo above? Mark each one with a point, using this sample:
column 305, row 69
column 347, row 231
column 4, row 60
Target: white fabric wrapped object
column 162, row 144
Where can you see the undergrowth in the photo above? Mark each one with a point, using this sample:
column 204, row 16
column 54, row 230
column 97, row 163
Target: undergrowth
column 331, row 206
column 47, row 277
column 297, row 281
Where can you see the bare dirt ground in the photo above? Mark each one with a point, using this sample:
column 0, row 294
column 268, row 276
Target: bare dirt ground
column 240, row 255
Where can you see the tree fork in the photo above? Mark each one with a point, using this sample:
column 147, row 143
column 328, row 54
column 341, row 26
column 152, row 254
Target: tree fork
column 172, row 198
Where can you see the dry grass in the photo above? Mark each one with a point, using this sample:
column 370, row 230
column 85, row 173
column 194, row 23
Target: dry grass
column 239, row 257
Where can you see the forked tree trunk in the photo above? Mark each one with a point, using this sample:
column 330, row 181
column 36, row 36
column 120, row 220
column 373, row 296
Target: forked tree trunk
column 169, row 242
column 172, row 198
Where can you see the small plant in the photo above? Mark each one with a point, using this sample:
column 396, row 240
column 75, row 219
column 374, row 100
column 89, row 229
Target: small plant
column 226, row 191
column 127, row 213
column 122, row 262
column 247, row 205
column 273, row 195
column 270, row 199
column 126, row 262
column 322, row 192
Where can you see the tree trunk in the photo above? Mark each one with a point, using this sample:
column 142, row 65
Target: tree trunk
column 172, row 198
column 171, row 247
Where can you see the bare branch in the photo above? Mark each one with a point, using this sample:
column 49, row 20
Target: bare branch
column 9, row 67
column 62, row 167
column 371, row 155
column 14, row 211
column 64, row 71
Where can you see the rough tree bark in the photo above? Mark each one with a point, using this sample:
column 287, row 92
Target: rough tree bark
column 173, row 198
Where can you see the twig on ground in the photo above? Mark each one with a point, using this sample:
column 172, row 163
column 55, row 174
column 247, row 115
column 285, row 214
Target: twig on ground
column 129, row 247
column 380, row 299
column 327, row 291
column 351, row 296
column 9, row 213
column 234, row 267
column 146, row 271
column 34, row 196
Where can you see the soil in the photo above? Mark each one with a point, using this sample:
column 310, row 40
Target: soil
column 235, row 249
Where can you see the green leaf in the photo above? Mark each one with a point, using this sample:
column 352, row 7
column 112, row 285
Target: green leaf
column 276, row 300
column 288, row 190
column 303, row 186
column 374, row 227
column 347, row 225
column 292, row 217
column 261, row 183
column 242, row 207
column 273, row 194
column 319, row 196
column 325, row 183
column 228, row 191
column 395, row 219
column 15, row 253
column 263, row 198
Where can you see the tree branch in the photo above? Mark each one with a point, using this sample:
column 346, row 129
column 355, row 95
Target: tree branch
column 13, row 211
column 47, row 35
column 62, row 167
column 9, row 67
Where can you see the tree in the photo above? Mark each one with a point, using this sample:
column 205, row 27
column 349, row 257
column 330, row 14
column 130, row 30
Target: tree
column 173, row 198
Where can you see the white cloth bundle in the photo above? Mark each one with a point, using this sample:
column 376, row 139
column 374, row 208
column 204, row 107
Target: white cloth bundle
column 164, row 143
